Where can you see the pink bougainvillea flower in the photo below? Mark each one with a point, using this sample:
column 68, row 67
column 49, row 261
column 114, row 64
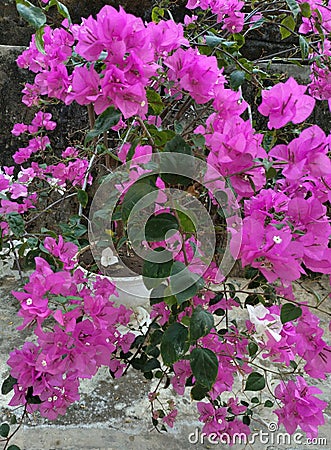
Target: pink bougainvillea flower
column 286, row 102
column 300, row 407
column 169, row 419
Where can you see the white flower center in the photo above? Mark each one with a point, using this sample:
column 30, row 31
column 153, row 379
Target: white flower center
column 29, row 301
column 277, row 239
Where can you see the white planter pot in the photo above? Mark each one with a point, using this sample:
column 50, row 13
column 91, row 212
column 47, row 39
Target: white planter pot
column 131, row 290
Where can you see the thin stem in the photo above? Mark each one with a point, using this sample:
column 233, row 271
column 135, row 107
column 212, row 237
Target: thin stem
column 16, row 259
column 91, row 115
column 148, row 134
column 141, row 345
column 18, row 427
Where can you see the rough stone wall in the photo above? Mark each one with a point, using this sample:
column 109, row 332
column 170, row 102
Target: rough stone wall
column 12, row 110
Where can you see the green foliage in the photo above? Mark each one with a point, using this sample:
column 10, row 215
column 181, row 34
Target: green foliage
column 305, row 10
column 289, row 312
column 157, row 14
column 173, row 165
column 181, row 276
column 8, row 385
column 39, row 39
column 136, row 192
column 16, row 224
column 174, row 343
column 304, row 47
column 160, row 226
column 158, row 271
column 287, row 26
column 252, row 348
column 82, row 197
column 294, row 7
column 62, row 9
column 237, row 78
column 32, row 14
column 255, row 382
column 104, row 122
column 4, row 430
column 204, row 365
column 199, row 392
column 154, row 101
column 200, row 324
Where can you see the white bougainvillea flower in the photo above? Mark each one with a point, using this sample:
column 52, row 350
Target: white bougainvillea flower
column 108, row 258
column 265, row 322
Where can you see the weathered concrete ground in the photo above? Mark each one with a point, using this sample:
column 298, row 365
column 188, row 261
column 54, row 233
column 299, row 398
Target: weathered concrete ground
column 115, row 415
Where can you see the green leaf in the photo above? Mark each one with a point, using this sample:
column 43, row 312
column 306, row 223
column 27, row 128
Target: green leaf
column 104, row 122
column 239, row 39
column 246, row 420
column 178, row 145
column 154, row 273
column 160, row 225
column 305, row 10
column 154, row 101
column 289, row 312
column 204, row 365
column 183, row 283
column 39, row 39
column 4, row 429
column 174, row 343
column 201, row 323
column 255, row 382
column 255, row 400
column 252, row 348
column 294, row 7
column 304, row 47
column 13, row 447
column 32, row 399
column 172, row 164
column 289, row 23
column 257, row 24
column 135, row 193
column 82, row 197
column 268, row 404
column 186, row 223
column 160, row 137
column 213, row 41
column 237, row 78
column 271, row 173
column 157, row 14
column 62, row 9
column 16, row 223
column 199, row 392
column 13, row 420
column 151, row 364
column 32, row 14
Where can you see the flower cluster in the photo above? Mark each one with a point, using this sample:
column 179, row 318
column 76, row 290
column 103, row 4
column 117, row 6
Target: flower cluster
column 301, row 407
column 85, row 334
column 228, row 12
column 153, row 89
